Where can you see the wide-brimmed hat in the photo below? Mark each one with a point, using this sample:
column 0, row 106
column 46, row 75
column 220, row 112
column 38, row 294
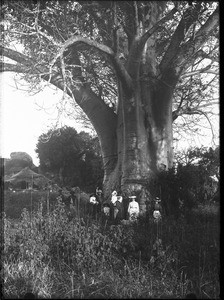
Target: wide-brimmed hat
column 132, row 197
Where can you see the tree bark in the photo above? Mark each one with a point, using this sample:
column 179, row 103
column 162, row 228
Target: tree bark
column 137, row 140
column 144, row 140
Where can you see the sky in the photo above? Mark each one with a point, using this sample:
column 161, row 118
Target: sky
column 23, row 120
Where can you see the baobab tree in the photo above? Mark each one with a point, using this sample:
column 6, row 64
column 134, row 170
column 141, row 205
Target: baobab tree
column 121, row 62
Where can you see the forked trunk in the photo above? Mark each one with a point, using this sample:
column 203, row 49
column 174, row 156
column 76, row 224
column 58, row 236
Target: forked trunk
column 144, row 141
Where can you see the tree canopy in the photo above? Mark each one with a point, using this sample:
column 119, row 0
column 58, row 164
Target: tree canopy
column 133, row 67
column 76, row 40
column 72, row 159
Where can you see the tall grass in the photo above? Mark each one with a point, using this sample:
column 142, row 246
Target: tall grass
column 56, row 256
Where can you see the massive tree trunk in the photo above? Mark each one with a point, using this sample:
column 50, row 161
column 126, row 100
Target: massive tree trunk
column 144, row 135
column 143, row 138
column 136, row 140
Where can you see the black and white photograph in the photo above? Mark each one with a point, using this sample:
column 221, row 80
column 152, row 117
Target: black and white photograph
column 110, row 149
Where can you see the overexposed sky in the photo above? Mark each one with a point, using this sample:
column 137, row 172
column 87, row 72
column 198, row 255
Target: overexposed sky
column 22, row 120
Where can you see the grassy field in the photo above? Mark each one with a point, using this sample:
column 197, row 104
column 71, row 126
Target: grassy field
column 57, row 256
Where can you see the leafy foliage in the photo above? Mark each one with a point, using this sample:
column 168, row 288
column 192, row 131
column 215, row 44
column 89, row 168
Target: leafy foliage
column 74, row 159
column 114, row 24
column 57, row 257
column 194, row 180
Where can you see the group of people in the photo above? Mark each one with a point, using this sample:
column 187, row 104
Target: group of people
column 114, row 208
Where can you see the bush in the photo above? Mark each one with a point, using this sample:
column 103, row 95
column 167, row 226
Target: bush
column 14, row 203
column 192, row 182
column 55, row 256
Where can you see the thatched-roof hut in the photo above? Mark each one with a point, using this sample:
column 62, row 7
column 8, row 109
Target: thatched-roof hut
column 29, row 176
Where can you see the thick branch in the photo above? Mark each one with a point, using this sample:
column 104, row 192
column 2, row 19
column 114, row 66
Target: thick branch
column 102, row 117
column 16, row 56
column 138, row 44
column 178, row 37
column 152, row 30
column 136, row 17
column 78, row 39
column 122, row 73
column 103, row 48
column 187, row 51
column 5, row 67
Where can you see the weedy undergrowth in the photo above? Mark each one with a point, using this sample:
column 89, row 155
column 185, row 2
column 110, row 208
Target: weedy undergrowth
column 55, row 255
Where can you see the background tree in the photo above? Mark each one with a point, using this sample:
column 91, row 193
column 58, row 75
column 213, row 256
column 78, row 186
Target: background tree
column 73, row 159
column 122, row 63
column 194, row 180
column 203, row 165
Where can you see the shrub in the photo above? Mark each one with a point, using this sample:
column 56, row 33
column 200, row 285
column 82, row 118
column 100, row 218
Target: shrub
column 54, row 255
column 14, row 203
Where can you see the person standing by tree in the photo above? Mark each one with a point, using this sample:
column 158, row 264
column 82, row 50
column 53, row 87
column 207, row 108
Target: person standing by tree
column 133, row 209
column 157, row 210
column 119, row 209
column 99, row 195
column 132, row 75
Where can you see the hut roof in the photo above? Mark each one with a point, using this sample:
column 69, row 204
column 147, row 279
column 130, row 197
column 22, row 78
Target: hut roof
column 27, row 175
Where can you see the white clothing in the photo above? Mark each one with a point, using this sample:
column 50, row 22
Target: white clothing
column 156, row 214
column 114, row 199
column 133, row 208
column 93, row 200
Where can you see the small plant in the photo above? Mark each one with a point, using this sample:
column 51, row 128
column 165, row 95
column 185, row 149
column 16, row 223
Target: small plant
column 52, row 254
